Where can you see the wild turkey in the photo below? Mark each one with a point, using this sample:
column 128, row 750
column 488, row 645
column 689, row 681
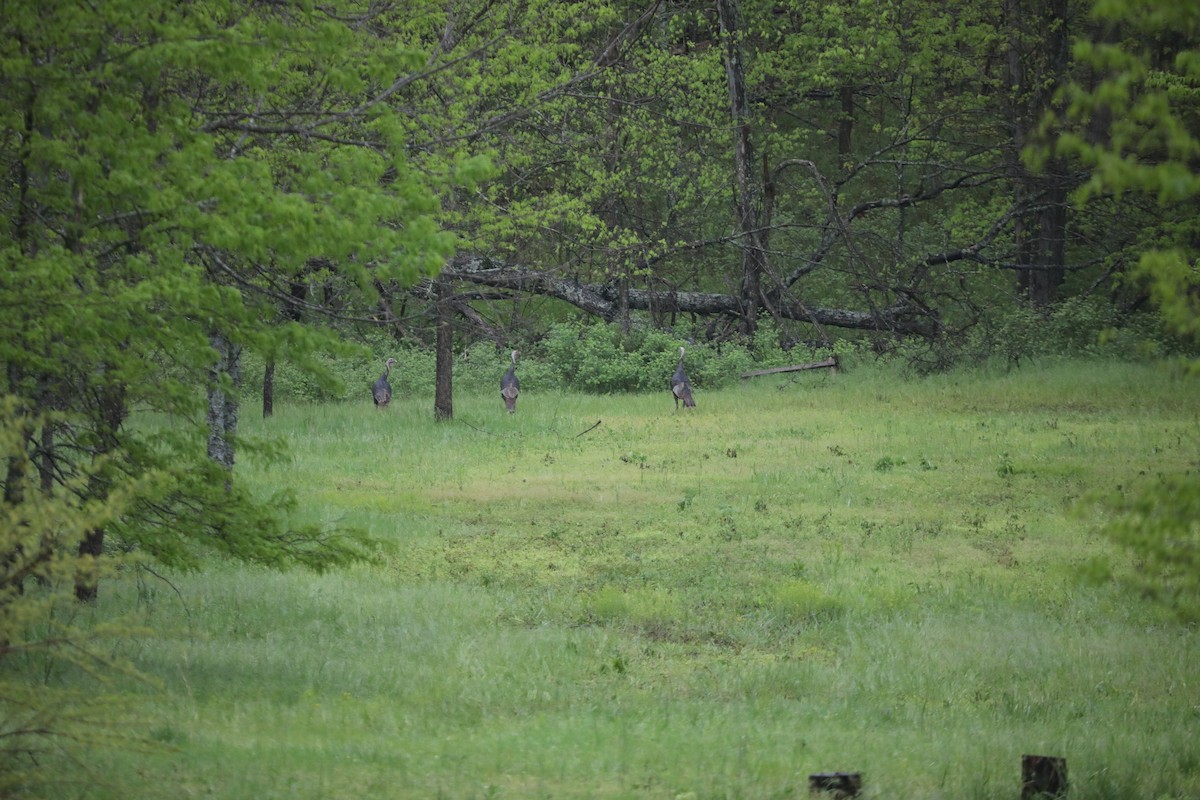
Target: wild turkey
column 681, row 387
column 381, row 390
column 510, row 386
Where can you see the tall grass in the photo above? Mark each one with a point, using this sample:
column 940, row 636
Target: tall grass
column 825, row 572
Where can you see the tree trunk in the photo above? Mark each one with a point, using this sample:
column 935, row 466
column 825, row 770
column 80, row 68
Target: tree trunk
column 223, row 405
column 616, row 258
column 111, row 410
column 754, row 254
column 846, row 121
column 1049, row 247
column 1044, row 54
column 443, row 402
column 268, row 388
column 87, row 582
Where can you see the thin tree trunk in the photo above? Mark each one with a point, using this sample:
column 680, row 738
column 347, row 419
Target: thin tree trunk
column 87, row 581
column 612, row 161
column 1052, row 218
column 1051, row 238
column 110, row 416
column 443, row 403
column 292, row 311
column 268, row 388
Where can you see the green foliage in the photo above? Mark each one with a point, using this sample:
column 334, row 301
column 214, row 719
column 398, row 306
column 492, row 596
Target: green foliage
column 1174, row 279
column 625, row 183
column 1076, row 327
column 1158, row 520
column 1149, row 100
column 168, row 167
column 599, row 358
column 44, row 636
column 172, row 166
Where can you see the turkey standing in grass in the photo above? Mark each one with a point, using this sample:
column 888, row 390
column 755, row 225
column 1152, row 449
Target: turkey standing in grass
column 681, row 387
column 510, row 386
column 381, row 390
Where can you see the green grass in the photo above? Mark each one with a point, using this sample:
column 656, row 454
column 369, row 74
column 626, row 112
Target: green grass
column 852, row 572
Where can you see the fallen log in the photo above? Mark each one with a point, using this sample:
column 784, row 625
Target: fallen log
column 606, row 301
column 829, row 363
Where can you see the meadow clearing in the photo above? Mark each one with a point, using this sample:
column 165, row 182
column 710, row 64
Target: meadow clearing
column 814, row 572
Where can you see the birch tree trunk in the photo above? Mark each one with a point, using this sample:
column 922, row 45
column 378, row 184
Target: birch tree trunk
column 222, row 405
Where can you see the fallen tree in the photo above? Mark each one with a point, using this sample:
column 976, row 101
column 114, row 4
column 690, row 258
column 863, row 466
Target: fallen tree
column 605, row 300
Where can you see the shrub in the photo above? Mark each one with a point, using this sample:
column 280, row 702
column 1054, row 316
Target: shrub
column 1077, row 327
column 596, row 357
column 344, row 374
column 480, row 365
column 1158, row 521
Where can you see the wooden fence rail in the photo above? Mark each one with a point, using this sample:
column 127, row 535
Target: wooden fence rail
column 830, row 363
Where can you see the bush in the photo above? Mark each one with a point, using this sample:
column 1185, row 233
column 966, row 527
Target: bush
column 1077, row 327
column 479, row 367
column 345, row 374
column 1158, row 521
column 597, row 357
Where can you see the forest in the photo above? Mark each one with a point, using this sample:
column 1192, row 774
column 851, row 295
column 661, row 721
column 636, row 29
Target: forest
column 219, row 203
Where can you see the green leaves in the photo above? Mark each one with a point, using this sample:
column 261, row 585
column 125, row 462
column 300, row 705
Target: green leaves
column 1150, row 105
column 1149, row 147
column 170, row 166
column 1148, row 97
column 1159, row 521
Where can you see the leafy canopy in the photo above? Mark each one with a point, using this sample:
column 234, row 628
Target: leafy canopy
column 168, row 166
column 1146, row 99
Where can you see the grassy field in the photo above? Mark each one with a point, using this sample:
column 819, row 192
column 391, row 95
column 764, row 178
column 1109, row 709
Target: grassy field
column 852, row 572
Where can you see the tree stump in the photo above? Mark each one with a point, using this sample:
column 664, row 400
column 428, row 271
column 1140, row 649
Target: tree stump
column 1043, row 776
column 838, row 785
